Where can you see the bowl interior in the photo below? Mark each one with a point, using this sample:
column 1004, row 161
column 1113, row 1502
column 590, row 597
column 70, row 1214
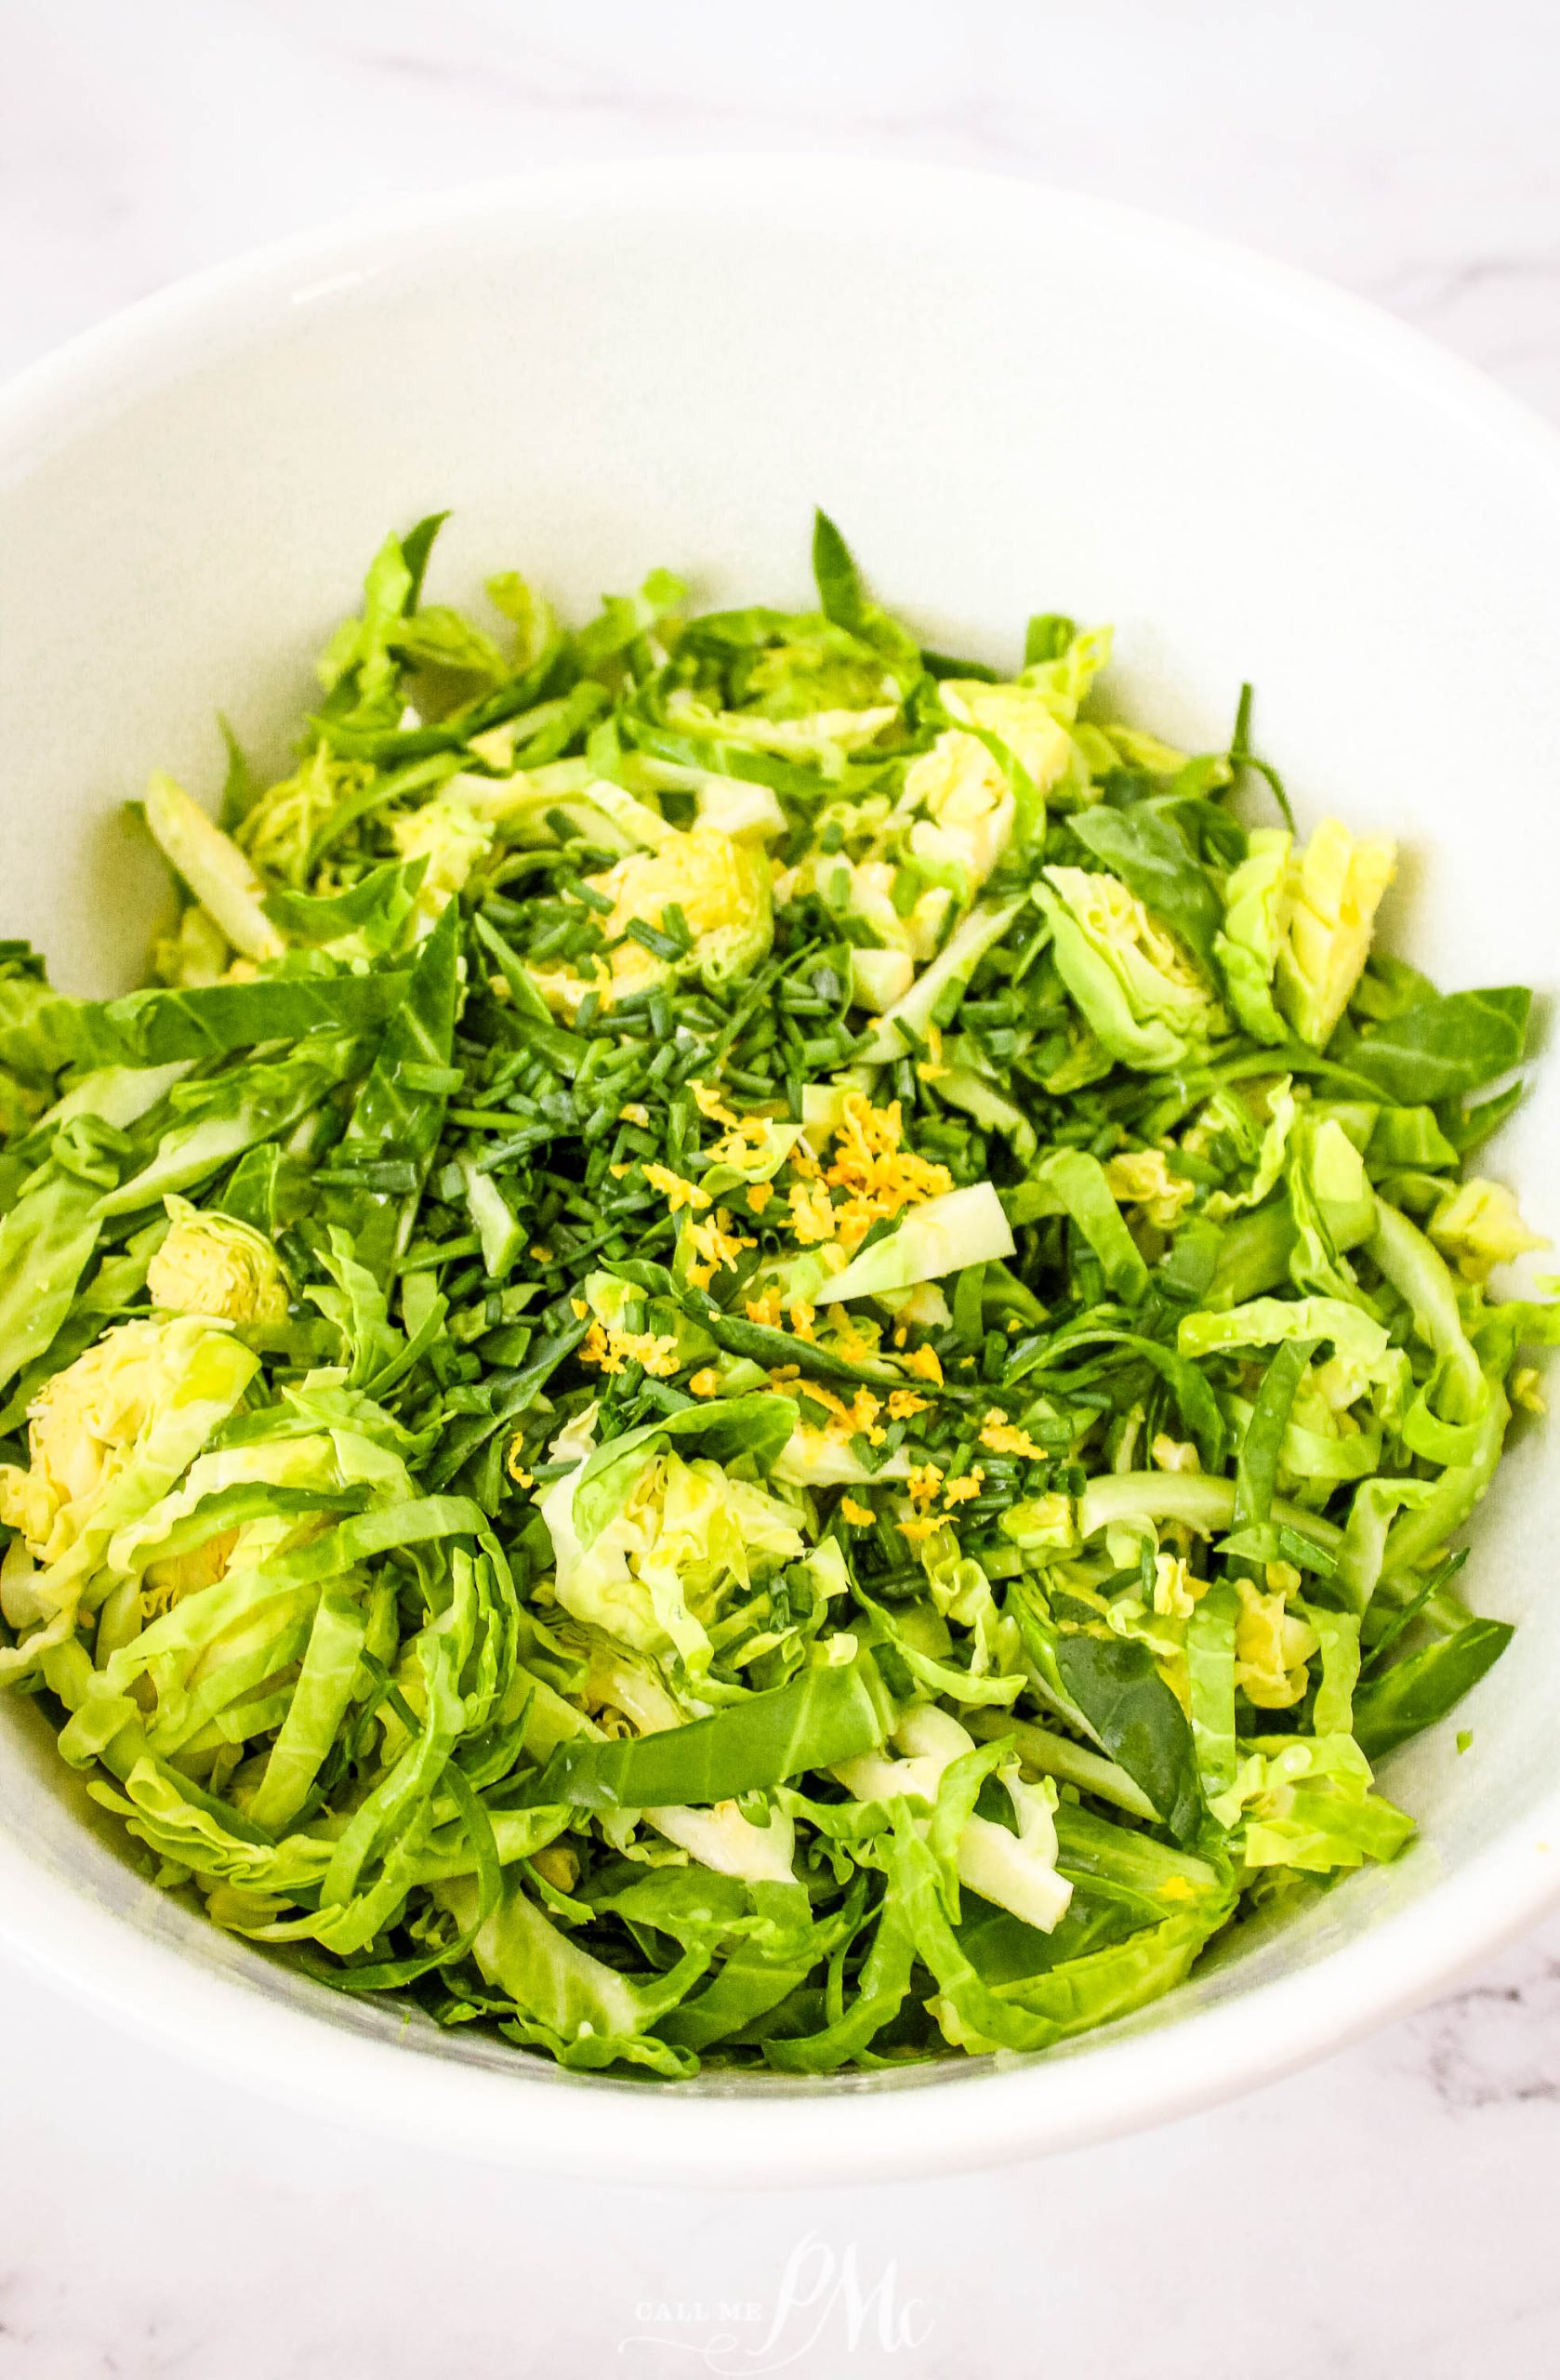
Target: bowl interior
column 1010, row 402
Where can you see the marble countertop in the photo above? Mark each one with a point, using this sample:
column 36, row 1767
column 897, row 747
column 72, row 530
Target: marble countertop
column 1388, row 2211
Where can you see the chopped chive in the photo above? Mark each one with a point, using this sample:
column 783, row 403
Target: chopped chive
column 422, row 1260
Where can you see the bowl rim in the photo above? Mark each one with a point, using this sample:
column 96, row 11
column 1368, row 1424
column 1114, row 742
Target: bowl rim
column 977, row 2113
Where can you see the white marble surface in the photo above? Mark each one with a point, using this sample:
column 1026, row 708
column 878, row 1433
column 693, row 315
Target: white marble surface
column 1391, row 2211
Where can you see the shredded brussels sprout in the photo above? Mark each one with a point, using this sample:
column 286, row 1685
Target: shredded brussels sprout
column 764, row 1353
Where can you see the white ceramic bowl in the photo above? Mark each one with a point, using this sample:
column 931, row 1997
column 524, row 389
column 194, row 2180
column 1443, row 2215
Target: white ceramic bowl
column 1011, row 400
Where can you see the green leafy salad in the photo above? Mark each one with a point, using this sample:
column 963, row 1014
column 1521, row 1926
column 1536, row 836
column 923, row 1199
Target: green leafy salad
column 763, row 1351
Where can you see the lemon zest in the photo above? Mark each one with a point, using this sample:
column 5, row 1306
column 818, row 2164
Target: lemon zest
column 677, row 1192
